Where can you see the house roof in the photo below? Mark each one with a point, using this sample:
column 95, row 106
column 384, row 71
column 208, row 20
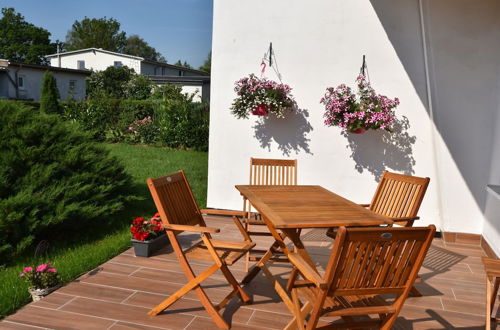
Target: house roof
column 185, row 80
column 142, row 59
column 4, row 64
column 87, row 50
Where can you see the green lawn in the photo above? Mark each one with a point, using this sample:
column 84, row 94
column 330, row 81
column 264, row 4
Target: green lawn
column 108, row 237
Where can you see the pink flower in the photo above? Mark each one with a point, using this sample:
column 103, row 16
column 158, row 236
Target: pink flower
column 42, row 268
column 52, row 270
column 27, row 269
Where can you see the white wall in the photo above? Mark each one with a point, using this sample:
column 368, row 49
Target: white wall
column 95, row 60
column 190, row 90
column 320, row 44
column 33, row 84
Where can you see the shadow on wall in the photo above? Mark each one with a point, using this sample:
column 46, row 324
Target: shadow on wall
column 269, row 129
column 377, row 151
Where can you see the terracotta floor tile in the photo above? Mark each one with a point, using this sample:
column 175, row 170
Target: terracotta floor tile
column 57, row 319
column 269, row 320
column 131, row 326
column 54, row 300
column 203, row 323
column 464, row 306
column 96, row 291
column 8, row 325
column 127, row 313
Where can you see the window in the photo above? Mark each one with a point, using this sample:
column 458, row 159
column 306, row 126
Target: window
column 72, row 85
column 21, row 79
column 118, row 64
column 80, row 65
column 163, row 71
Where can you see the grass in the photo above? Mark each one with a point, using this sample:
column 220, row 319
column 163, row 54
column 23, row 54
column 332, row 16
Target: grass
column 108, row 237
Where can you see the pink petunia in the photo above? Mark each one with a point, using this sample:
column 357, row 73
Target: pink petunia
column 52, row 270
column 27, row 269
column 42, row 268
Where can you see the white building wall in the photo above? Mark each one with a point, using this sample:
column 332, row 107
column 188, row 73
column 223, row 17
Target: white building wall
column 320, row 44
column 33, row 84
column 94, row 60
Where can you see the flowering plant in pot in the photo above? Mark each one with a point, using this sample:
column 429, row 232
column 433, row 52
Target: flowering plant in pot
column 43, row 279
column 260, row 96
column 357, row 114
column 148, row 236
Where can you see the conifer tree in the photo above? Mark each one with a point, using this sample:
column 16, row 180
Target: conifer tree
column 49, row 101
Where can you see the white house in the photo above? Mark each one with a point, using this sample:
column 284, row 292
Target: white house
column 99, row 59
column 24, row 81
column 440, row 58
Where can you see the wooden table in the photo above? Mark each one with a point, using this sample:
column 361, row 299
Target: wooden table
column 290, row 209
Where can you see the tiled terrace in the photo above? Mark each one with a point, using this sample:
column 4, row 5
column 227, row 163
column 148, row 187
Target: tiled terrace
column 118, row 294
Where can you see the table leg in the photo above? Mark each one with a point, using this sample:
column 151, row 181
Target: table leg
column 258, row 266
column 488, row 303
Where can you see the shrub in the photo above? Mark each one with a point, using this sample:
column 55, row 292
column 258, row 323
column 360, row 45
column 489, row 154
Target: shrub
column 49, row 101
column 52, row 178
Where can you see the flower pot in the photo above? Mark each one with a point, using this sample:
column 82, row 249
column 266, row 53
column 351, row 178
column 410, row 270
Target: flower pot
column 38, row 294
column 261, row 110
column 359, row 131
column 147, row 248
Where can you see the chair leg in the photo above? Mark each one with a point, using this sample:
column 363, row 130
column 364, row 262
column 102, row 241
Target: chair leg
column 230, row 278
column 247, row 257
column 388, row 322
column 258, row 266
column 292, row 278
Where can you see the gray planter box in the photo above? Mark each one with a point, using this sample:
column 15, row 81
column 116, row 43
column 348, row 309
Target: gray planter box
column 147, row 248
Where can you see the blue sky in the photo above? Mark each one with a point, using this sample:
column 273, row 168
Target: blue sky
column 178, row 29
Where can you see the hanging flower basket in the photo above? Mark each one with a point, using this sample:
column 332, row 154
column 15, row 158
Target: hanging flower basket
column 260, row 97
column 368, row 110
column 43, row 279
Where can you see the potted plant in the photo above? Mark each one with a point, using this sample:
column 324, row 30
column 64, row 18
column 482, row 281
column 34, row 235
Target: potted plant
column 260, row 97
column 356, row 115
column 43, row 279
column 148, row 236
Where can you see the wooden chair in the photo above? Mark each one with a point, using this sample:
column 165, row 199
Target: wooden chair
column 398, row 197
column 266, row 172
column 179, row 212
column 365, row 264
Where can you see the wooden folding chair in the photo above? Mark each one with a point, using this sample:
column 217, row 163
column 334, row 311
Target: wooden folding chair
column 365, row 263
column 266, row 172
column 179, row 212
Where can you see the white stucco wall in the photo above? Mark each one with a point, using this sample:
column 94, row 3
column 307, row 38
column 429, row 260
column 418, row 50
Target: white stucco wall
column 33, row 84
column 96, row 61
column 320, row 44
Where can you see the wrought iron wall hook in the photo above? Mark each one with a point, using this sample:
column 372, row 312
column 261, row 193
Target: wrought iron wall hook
column 363, row 66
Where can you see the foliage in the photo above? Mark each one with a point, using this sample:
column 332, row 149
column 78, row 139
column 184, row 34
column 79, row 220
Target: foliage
column 49, row 101
column 369, row 111
column 111, row 82
column 137, row 46
column 184, row 65
column 207, row 65
column 52, row 178
column 170, row 92
column 138, row 87
column 95, row 33
column 21, row 41
column 145, row 230
column 260, row 96
column 43, row 276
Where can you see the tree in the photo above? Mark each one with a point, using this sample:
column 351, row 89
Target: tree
column 185, row 64
column 49, row 101
column 96, row 33
column 137, row 46
column 21, row 41
column 207, row 64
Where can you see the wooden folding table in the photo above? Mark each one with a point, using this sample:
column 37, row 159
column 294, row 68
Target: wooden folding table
column 290, row 209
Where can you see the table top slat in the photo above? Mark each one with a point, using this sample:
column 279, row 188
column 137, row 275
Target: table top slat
column 303, row 206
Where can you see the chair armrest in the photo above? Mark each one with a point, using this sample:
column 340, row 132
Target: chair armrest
column 307, row 270
column 191, row 228
column 222, row 212
column 403, row 218
column 364, row 205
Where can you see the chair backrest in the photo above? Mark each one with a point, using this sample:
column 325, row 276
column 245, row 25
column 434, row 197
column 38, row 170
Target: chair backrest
column 376, row 260
column 273, row 171
column 174, row 200
column 399, row 195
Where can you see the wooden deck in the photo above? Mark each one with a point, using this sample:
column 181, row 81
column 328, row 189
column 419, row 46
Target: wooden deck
column 118, row 294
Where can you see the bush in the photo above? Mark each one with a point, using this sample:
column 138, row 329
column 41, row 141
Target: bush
column 53, row 179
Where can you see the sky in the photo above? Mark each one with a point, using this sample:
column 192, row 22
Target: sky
column 178, row 29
